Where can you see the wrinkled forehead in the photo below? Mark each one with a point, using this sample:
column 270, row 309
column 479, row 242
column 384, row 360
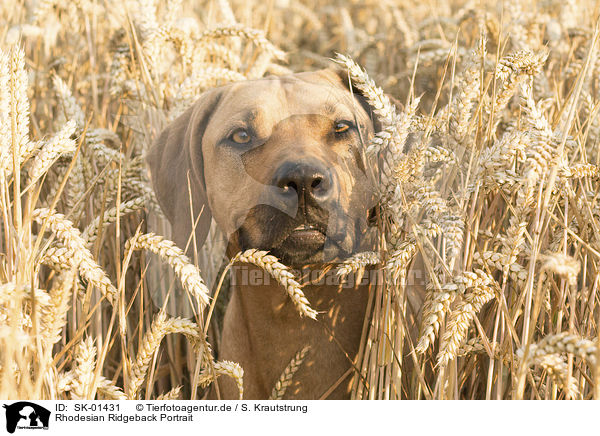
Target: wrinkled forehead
column 267, row 102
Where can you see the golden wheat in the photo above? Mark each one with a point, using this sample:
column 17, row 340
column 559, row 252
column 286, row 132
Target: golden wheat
column 280, row 273
column 77, row 254
column 486, row 169
column 185, row 270
column 161, row 326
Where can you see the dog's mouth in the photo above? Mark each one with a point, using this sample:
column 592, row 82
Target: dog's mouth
column 306, row 237
column 301, row 240
column 302, row 244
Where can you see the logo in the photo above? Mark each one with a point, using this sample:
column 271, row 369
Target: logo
column 26, row 415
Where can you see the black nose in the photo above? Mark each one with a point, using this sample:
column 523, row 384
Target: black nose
column 310, row 179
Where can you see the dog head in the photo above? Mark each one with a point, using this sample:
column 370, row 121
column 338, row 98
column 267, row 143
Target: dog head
column 276, row 162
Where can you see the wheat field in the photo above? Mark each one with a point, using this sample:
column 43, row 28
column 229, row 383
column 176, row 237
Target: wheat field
column 487, row 167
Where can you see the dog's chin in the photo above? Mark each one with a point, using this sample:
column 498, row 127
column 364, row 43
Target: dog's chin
column 303, row 246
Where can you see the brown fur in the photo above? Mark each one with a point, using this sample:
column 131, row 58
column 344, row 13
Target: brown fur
column 263, row 331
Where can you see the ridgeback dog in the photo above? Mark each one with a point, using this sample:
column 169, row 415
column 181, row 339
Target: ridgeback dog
column 276, row 163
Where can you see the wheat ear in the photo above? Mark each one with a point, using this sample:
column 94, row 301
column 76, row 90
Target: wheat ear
column 256, row 36
column 161, row 326
column 19, row 103
column 358, row 262
column 108, row 388
column 463, row 314
column 564, row 342
column 380, row 102
column 285, row 380
column 84, row 371
column 563, row 265
column 187, row 272
column 90, row 234
column 224, row 367
column 436, row 306
column 173, row 394
column 78, row 255
column 556, row 366
column 54, row 317
column 281, row 273
column 5, row 128
column 399, row 260
column 71, row 109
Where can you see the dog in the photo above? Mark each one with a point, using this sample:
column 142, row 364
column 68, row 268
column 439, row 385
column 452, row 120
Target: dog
column 276, row 163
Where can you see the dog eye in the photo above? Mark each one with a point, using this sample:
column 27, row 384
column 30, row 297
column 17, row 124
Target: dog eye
column 240, row 136
column 342, row 126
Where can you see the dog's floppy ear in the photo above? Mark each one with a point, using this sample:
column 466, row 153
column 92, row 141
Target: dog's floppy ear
column 177, row 170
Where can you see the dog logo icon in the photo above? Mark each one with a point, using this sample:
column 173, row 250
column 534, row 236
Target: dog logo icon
column 26, row 415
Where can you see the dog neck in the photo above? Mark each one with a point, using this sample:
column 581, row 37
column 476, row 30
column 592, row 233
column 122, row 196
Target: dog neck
column 264, row 331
